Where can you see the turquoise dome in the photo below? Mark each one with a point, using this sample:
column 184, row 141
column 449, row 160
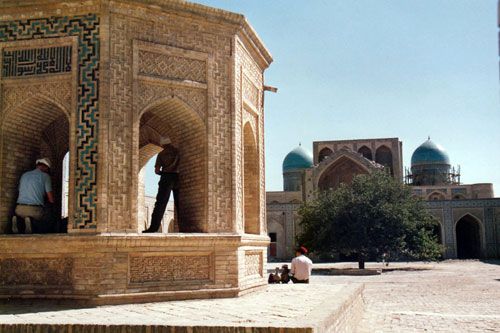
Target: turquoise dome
column 429, row 153
column 299, row 158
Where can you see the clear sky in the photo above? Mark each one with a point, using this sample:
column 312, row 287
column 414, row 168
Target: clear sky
column 379, row 68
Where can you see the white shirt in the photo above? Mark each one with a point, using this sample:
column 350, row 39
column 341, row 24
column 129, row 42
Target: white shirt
column 301, row 267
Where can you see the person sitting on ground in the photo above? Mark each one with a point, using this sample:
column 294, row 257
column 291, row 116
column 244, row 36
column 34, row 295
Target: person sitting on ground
column 285, row 276
column 271, row 278
column 301, row 266
column 276, row 276
column 33, row 187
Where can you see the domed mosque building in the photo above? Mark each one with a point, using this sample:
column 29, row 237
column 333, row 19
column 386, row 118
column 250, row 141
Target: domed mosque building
column 294, row 166
column 468, row 215
column 430, row 165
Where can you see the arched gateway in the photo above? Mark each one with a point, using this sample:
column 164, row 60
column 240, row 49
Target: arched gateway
column 468, row 235
column 105, row 81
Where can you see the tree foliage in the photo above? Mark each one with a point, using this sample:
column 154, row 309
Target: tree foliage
column 374, row 216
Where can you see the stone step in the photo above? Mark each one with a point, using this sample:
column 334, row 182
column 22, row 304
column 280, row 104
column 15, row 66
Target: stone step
column 278, row 308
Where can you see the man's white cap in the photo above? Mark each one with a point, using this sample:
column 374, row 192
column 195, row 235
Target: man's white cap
column 44, row 160
column 165, row 141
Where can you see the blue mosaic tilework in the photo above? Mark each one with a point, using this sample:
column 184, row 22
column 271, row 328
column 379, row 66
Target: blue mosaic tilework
column 430, row 190
column 86, row 27
column 28, row 62
column 489, row 222
column 458, row 191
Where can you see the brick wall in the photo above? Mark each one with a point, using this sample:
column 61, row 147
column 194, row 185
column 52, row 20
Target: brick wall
column 87, row 266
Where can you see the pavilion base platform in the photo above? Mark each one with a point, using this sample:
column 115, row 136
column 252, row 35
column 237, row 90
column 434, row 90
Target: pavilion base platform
column 278, row 308
column 130, row 268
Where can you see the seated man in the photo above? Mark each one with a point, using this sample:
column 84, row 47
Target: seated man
column 301, row 266
column 33, row 187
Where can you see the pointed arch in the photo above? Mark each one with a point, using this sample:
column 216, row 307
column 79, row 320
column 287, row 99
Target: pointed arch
column 438, row 231
column 35, row 101
column 171, row 117
column 436, row 196
column 324, row 153
column 469, row 237
column 341, row 170
column 250, row 181
column 366, row 152
column 37, row 127
column 383, row 155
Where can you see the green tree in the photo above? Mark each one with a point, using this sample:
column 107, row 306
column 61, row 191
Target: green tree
column 372, row 217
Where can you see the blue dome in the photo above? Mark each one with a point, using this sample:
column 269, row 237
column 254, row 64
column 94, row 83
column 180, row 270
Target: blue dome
column 299, row 158
column 429, row 153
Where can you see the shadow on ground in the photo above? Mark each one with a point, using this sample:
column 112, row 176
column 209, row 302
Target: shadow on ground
column 9, row 306
column 491, row 261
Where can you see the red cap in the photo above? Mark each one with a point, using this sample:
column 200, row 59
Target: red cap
column 303, row 249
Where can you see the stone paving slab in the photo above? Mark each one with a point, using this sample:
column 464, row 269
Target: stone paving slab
column 283, row 308
column 449, row 296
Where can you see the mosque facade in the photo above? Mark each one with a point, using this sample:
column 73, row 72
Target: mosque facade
column 468, row 214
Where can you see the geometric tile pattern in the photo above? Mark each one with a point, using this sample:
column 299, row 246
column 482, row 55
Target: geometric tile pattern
column 250, row 92
column 458, row 190
column 86, row 27
column 172, row 67
column 249, row 77
column 430, row 190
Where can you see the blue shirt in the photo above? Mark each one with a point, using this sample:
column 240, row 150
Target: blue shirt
column 33, row 186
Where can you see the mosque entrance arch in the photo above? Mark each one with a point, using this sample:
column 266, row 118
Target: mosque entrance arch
column 39, row 127
column 468, row 236
column 343, row 170
column 172, row 118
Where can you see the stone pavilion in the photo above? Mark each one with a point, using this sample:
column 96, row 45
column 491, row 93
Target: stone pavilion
column 104, row 80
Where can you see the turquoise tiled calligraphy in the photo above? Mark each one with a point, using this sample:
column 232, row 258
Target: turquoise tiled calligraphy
column 86, row 28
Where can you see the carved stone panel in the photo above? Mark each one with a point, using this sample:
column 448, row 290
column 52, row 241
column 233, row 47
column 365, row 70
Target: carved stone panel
column 250, row 92
column 36, row 271
column 172, row 67
column 169, row 268
column 253, row 263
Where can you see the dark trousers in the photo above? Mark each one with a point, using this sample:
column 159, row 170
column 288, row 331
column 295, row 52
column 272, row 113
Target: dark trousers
column 168, row 182
column 295, row 280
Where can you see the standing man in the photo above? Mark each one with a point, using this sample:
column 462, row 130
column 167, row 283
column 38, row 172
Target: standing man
column 167, row 166
column 33, row 187
column 301, row 266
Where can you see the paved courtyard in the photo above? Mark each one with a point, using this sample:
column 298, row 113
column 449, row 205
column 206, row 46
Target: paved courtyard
column 452, row 296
